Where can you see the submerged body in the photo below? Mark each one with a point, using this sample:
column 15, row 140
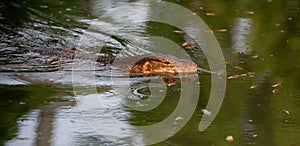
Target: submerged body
column 151, row 64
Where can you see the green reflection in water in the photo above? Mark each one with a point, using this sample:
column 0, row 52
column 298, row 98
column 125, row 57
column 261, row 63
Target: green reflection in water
column 271, row 31
column 16, row 101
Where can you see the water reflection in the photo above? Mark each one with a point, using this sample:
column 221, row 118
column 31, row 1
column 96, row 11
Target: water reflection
column 266, row 32
column 241, row 36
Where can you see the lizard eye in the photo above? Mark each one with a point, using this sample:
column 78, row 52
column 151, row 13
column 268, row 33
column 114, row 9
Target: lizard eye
column 167, row 62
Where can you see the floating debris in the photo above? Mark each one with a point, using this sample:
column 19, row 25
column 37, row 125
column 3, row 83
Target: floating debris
column 221, row 30
column 254, row 135
column 206, row 112
column 43, row 6
column 238, row 67
column 22, row 102
column 249, row 12
column 274, row 90
column 68, row 9
column 185, row 44
column 178, row 118
column 286, row 111
column 210, row 14
column 236, row 76
column 233, row 76
column 209, row 31
column 251, row 73
column 253, row 86
column 178, row 31
column 277, row 84
column 190, row 47
column 229, row 138
column 255, row 56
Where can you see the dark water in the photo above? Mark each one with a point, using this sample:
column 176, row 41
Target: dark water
column 260, row 41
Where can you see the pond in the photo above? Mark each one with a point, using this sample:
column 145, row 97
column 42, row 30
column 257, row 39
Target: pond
column 260, row 42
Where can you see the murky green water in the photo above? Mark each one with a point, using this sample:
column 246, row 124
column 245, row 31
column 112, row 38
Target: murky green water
column 259, row 39
column 17, row 101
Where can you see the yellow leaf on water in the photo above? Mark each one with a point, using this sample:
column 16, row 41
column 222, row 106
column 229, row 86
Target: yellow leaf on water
column 233, row 76
column 179, row 31
column 210, row 14
column 255, row 56
column 286, row 111
column 221, row 30
column 178, row 118
column 253, row 86
column 251, row 73
column 209, row 31
column 190, row 47
column 185, row 44
column 236, row 76
column 249, row 12
column 242, row 75
column 277, row 84
column 229, row 138
column 238, row 67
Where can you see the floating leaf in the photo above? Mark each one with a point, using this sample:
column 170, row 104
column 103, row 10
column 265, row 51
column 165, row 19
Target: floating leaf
column 206, row 112
column 242, row 75
column 210, row 14
column 277, row 84
column 238, row 67
column 229, row 138
column 179, row 31
column 281, row 31
column 286, row 111
column 209, row 31
column 253, row 86
column 233, row 76
column 237, row 76
column 221, row 30
column 255, row 56
column 251, row 73
column 249, row 12
column 190, row 47
column 275, row 90
column 185, row 44
column 178, row 118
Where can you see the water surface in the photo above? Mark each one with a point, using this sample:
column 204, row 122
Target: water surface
column 259, row 39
